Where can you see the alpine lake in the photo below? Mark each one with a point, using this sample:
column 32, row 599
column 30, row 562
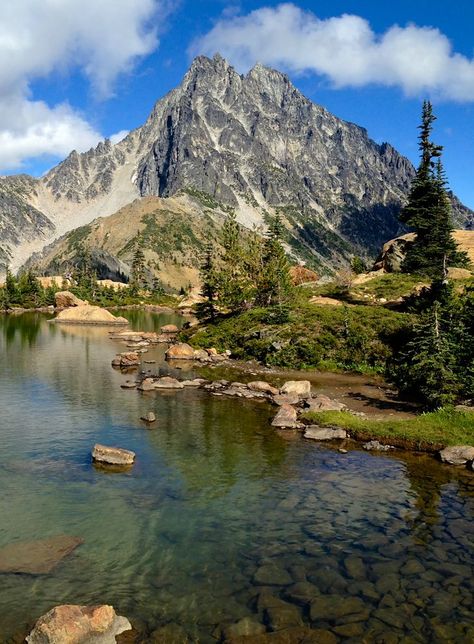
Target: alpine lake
column 223, row 526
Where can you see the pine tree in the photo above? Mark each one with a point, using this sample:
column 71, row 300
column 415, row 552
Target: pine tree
column 428, row 211
column 234, row 285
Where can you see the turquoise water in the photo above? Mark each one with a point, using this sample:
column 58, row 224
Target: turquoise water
column 220, row 516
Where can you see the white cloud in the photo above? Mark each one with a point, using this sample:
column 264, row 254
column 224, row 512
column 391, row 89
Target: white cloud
column 118, row 136
column 419, row 60
column 99, row 38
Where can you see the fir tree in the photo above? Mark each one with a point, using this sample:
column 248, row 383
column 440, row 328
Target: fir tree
column 209, row 277
column 276, row 286
column 428, row 211
column 138, row 270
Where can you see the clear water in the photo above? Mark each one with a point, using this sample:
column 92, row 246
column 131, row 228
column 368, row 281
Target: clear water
column 214, row 496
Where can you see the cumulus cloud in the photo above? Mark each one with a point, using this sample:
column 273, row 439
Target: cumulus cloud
column 344, row 49
column 100, row 39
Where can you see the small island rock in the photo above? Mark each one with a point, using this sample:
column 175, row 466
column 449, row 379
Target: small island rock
column 112, row 455
column 324, row 433
column 180, row 351
column 286, row 417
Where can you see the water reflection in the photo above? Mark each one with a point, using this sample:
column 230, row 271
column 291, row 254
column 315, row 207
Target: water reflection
column 221, row 517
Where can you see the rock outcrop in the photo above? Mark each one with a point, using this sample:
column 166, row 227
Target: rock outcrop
column 87, row 314
column 66, row 299
column 70, row 624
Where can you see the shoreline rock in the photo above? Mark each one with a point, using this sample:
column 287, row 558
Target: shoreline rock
column 87, row 314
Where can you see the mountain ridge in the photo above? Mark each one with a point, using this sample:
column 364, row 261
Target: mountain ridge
column 254, row 143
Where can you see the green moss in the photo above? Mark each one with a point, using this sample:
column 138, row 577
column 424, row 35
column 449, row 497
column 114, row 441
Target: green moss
column 442, row 427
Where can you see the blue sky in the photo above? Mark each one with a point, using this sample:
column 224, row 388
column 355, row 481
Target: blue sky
column 69, row 90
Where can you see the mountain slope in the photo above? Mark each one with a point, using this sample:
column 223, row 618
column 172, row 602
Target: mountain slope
column 253, row 143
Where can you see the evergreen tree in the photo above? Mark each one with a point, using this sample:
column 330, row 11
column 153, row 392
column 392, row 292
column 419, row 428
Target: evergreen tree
column 427, row 368
column 138, row 270
column 234, row 285
column 210, row 281
column 428, row 211
column 276, row 286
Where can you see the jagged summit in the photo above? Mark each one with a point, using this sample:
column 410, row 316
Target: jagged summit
column 251, row 142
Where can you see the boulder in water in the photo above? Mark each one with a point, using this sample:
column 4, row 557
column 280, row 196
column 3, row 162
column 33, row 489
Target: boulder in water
column 457, row 454
column 70, row 624
column 301, row 388
column 112, row 455
column 66, row 299
column 87, row 314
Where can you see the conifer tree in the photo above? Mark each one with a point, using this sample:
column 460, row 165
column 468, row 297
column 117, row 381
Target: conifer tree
column 138, row 270
column 276, row 285
column 209, row 278
column 428, row 211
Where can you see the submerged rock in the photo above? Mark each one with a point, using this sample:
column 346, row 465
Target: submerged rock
column 324, row 433
column 301, row 388
column 286, row 417
column 169, row 634
column 244, row 627
column 457, row 454
column 71, row 624
column 112, row 455
column 37, row 557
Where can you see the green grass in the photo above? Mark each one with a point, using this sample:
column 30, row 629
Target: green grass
column 358, row 338
column 439, row 428
column 390, row 286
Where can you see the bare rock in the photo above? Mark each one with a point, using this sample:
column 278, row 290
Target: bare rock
column 112, row 455
column 375, row 446
column 324, row 403
column 324, row 433
column 87, row 314
column 147, row 385
column 166, row 382
column 149, row 417
column 457, row 454
column 201, row 354
column 170, row 329
column 127, row 359
column 301, row 388
column 286, row 399
column 129, row 384
column 37, row 557
column 197, row 382
column 261, row 385
column 71, row 624
column 286, row 417
column 180, row 351
column 65, row 299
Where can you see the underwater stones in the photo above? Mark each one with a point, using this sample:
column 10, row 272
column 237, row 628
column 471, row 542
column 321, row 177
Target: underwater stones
column 112, row 455
column 355, row 567
column 244, row 627
column 302, row 593
column 169, row 634
column 272, row 575
column 286, row 417
column 301, row 388
column 314, row 432
column 334, row 607
column 457, row 454
column 71, row 624
column 126, row 359
column 149, row 417
column 283, row 616
column 412, row 567
column 38, row 557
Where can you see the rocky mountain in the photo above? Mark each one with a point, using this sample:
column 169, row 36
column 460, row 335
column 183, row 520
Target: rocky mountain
column 253, row 143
